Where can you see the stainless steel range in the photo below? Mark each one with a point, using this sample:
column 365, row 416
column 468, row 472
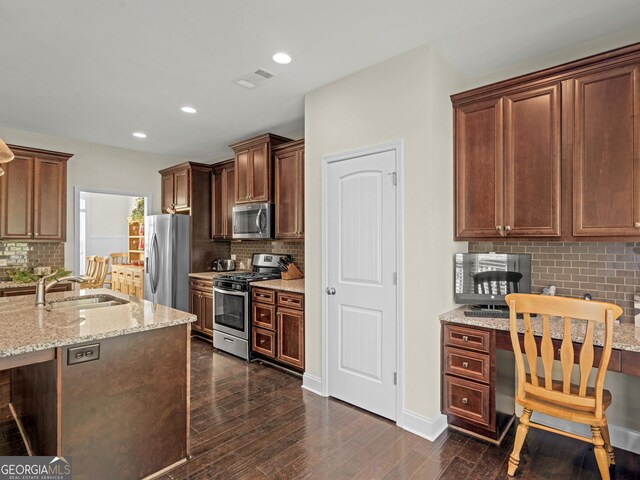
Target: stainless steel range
column 232, row 303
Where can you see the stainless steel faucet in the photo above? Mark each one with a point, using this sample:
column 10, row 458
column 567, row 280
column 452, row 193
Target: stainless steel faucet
column 42, row 287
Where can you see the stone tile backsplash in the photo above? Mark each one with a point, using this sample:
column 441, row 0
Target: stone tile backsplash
column 245, row 250
column 30, row 254
column 609, row 271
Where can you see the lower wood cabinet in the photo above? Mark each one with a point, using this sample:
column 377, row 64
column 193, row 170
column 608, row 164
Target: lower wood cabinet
column 278, row 326
column 201, row 305
column 17, row 291
column 128, row 279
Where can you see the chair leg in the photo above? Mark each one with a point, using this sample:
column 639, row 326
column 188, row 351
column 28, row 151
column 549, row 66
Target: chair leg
column 521, row 434
column 601, row 454
column 607, row 444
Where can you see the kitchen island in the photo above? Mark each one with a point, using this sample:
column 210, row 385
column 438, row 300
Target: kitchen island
column 108, row 387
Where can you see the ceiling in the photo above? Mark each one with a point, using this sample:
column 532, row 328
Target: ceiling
column 99, row 70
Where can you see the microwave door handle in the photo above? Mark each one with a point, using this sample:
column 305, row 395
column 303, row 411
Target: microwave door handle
column 258, row 222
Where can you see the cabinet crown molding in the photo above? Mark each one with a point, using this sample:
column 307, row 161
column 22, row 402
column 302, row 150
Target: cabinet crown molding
column 271, row 138
column 38, row 152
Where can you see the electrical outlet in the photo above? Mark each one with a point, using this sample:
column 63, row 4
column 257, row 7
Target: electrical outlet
column 233, row 257
column 4, row 262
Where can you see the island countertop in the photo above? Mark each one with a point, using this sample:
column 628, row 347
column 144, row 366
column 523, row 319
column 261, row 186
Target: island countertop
column 24, row 329
column 296, row 286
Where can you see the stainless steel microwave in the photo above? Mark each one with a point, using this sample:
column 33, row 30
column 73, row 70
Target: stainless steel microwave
column 253, row 221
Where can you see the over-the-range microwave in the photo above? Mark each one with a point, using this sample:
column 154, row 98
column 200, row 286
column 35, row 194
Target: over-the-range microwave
column 253, row 221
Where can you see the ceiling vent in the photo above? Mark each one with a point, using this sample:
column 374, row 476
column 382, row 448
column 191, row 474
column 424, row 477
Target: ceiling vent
column 254, row 79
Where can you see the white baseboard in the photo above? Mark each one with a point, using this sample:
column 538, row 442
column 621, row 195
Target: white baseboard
column 313, row 384
column 621, row 437
column 429, row 428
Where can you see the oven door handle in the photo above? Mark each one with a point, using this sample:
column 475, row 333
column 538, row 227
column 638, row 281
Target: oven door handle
column 230, row 292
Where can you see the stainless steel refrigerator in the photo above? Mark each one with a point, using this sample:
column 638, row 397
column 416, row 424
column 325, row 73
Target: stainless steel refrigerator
column 166, row 260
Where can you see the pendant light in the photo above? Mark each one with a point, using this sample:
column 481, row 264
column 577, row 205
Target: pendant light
column 6, row 155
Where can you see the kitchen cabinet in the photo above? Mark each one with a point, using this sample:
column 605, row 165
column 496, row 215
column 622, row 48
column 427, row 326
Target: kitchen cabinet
column 128, row 279
column 186, row 188
column 289, row 190
column 223, row 197
column 606, row 152
column 508, row 165
column 552, row 154
column 31, row 290
column 253, row 182
column 278, row 326
column 33, row 195
column 201, row 305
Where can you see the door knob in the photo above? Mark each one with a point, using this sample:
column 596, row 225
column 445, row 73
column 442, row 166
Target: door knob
column 331, row 291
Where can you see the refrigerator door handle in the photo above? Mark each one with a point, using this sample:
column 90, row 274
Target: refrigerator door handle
column 155, row 261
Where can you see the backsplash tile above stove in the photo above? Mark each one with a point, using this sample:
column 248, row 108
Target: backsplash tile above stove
column 245, row 250
column 609, row 271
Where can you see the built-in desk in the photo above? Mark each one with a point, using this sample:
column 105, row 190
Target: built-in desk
column 478, row 372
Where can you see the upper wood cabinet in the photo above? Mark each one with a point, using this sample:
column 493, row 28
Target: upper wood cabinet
column 33, row 195
column 289, row 193
column 254, row 168
column 176, row 187
column 553, row 154
column 223, row 197
column 606, row 152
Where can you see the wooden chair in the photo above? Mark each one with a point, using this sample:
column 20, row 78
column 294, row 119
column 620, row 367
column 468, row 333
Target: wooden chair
column 536, row 391
column 97, row 280
column 119, row 258
column 90, row 270
column 483, row 282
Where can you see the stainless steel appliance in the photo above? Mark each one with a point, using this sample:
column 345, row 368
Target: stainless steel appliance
column 223, row 265
column 166, row 255
column 253, row 221
column 232, row 303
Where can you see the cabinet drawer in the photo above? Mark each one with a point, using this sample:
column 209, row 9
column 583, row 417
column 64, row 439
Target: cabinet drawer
column 291, row 300
column 467, row 338
column 264, row 316
column 472, row 365
column 201, row 285
column 263, row 342
column 263, row 295
column 468, row 400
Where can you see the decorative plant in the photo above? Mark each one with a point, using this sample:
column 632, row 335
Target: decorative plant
column 137, row 214
column 22, row 275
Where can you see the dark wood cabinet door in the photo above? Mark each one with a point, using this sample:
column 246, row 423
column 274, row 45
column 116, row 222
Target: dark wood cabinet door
column 606, row 155
column 228, row 201
column 181, row 188
column 260, row 173
column 287, row 194
column 532, row 163
column 217, row 207
column 207, row 313
column 167, row 192
column 300, row 187
column 242, row 177
column 291, row 337
column 195, row 307
column 479, row 169
column 17, row 199
column 50, row 199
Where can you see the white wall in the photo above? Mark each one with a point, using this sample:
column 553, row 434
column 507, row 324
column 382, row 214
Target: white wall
column 98, row 167
column 404, row 98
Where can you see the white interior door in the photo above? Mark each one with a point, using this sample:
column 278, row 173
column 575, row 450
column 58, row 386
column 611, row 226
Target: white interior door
column 361, row 291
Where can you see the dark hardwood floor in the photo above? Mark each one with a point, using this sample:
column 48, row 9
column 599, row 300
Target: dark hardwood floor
column 254, row 422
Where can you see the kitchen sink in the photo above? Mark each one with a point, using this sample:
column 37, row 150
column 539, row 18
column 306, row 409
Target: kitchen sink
column 85, row 302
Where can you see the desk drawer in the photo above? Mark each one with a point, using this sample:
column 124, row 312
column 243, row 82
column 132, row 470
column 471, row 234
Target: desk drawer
column 468, row 400
column 471, row 365
column 467, row 337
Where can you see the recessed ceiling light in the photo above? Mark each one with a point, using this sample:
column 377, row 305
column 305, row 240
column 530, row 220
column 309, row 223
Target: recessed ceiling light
column 281, row 58
column 189, row 110
column 139, row 134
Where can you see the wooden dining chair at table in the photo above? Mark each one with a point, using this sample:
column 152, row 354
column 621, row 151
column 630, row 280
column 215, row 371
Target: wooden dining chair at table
column 99, row 274
column 119, row 258
column 538, row 392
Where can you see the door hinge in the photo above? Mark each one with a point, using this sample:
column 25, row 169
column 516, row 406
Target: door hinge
column 395, row 278
column 394, row 177
column 395, row 378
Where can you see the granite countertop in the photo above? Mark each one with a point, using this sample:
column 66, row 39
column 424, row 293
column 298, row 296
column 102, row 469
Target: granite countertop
column 626, row 336
column 23, row 328
column 9, row 284
column 296, row 286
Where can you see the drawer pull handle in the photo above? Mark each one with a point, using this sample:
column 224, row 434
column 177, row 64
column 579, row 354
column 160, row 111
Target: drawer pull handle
column 262, row 341
column 465, row 401
column 262, row 315
column 465, row 364
column 465, row 338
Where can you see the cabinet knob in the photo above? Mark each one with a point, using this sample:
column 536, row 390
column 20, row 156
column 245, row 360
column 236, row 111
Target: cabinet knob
column 507, row 228
column 35, row 235
column 465, row 400
column 637, row 224
column 465, row 338
column 499, row 228
column 465, row 364
column 262, row 315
